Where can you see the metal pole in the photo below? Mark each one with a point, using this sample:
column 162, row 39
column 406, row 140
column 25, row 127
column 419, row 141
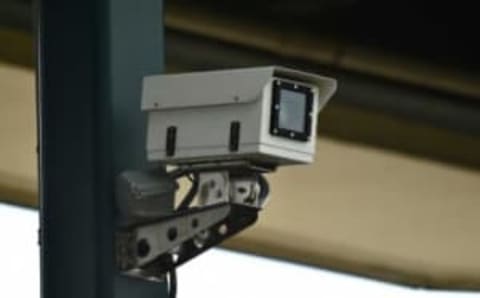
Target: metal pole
column 91, row 56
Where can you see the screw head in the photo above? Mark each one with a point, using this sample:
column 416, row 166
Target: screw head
column 223, row 229
column 172, row 234
column 195, row 223
column 143, row 248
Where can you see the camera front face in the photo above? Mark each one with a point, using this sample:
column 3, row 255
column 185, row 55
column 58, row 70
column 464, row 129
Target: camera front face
column 291, row 110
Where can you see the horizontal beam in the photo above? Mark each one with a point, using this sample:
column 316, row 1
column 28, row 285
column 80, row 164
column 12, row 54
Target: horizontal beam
column 17, row 14
column 20, row 47
column 338, row 54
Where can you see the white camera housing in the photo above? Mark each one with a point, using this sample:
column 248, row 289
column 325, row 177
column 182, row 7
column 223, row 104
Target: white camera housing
column 262, row 115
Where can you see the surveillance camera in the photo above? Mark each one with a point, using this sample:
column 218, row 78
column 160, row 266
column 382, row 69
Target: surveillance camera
column 263, row 115
column 222, row 130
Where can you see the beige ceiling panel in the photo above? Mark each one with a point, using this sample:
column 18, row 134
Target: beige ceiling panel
column 371, row 211
column 18, row 176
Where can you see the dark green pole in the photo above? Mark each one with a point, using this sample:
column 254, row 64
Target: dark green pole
column 91, row 57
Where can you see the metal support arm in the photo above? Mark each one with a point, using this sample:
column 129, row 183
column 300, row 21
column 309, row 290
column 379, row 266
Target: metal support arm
column 150, row 241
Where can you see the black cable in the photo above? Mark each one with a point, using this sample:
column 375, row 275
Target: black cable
column 172, row 283
column 264, row 187
column 190, row 196
column 184, row 204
